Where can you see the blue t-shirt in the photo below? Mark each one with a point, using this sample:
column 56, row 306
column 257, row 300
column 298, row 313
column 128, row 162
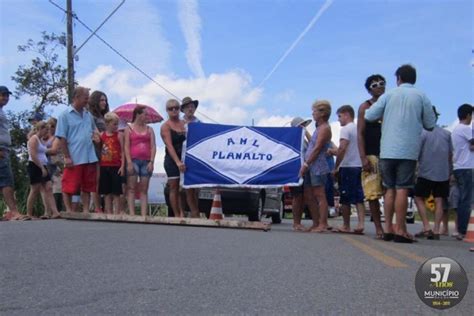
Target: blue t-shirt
column 77, row 129
column 405, row 112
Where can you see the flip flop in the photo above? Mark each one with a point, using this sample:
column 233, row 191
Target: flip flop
column 56, row 216
column 342, row 231
column 402, row 239
column 319, row 231
column 359, row 231
column 388, row 236
column 44, row 217
column 24, row 218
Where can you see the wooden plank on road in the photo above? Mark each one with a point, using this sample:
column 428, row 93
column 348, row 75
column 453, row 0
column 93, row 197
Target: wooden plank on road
column 125, row 218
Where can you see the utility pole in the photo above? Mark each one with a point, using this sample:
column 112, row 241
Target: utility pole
column 70, row 52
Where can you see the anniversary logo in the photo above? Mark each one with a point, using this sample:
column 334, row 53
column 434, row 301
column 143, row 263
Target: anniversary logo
column 228, row 155
column 441, row 282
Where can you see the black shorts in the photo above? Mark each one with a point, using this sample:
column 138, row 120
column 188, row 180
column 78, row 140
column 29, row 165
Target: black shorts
column 297, row 190
column 172, row 170
column 110, row 181
column 35, row 174
column 424, row 188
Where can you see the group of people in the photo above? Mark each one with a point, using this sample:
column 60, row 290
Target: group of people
column 90, row 151
column 395, row 149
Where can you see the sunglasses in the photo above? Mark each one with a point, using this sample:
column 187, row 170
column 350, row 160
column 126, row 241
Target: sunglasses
column 377, row 84
column 173, row 108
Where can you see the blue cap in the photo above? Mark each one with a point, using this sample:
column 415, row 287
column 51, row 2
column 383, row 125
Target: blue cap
column 36, row 117
column 4, row 90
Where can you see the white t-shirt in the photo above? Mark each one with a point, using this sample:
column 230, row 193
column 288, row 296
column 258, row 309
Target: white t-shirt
column 463, row 157
column 352, row 157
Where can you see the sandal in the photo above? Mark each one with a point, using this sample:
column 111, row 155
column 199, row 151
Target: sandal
column 44, row 217
column 388, row 236
column 358, row 231
column 403, row 239
column 342, row 230
column 425, row 234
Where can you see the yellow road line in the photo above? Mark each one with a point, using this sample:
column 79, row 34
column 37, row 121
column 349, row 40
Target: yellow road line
column 406, row 253
column 376, row 254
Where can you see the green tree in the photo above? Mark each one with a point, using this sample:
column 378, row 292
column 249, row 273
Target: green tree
column 45, row 79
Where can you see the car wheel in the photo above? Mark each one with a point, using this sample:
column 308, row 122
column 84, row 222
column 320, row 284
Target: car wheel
column 276, row 218
column 256, row 215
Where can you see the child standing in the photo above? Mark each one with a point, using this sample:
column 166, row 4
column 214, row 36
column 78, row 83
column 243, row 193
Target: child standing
column 111, row 164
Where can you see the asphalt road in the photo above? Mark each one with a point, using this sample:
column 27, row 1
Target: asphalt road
column 65, row 267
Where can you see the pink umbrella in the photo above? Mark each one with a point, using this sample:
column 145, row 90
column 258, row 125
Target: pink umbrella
column 125, row 112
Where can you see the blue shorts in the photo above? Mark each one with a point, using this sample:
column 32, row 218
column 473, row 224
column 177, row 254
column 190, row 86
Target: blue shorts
column 313, row 180
column 350, row 185
column 6, row 175
column 140, row 168
column 398, row 173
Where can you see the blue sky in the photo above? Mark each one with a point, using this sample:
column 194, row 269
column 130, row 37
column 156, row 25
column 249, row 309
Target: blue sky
column 220, row 51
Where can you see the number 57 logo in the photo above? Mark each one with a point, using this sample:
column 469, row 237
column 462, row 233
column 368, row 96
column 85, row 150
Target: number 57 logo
column 437, row 275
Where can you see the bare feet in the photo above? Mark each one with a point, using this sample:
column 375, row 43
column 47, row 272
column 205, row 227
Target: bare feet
column 299, row 228
column 12, row 216
column 343, row 229
column 320, row 229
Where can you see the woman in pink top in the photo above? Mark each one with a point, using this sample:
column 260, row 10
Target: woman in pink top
column 140, row 150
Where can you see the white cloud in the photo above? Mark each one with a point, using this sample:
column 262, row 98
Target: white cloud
column 190, row 22
column 275, row 120
column 94, row 79
column 226, row 98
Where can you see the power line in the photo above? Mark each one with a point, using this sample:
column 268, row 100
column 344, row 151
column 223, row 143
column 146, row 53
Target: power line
column 117, row 52
column 125, row 58
column 98, row 28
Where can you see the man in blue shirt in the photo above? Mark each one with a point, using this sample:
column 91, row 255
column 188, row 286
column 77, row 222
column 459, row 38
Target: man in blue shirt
column 77, row 132
column 405, row 111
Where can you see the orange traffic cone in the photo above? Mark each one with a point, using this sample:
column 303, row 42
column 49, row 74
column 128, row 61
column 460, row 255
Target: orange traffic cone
column 216, row 209
column 470, row 229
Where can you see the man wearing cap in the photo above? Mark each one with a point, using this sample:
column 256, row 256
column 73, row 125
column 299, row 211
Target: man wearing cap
column 6, row 175
column 434, row 167
column 188, row 107
column 405, row 111
column 35, row 118
column 302, row 194
column 77, row 132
